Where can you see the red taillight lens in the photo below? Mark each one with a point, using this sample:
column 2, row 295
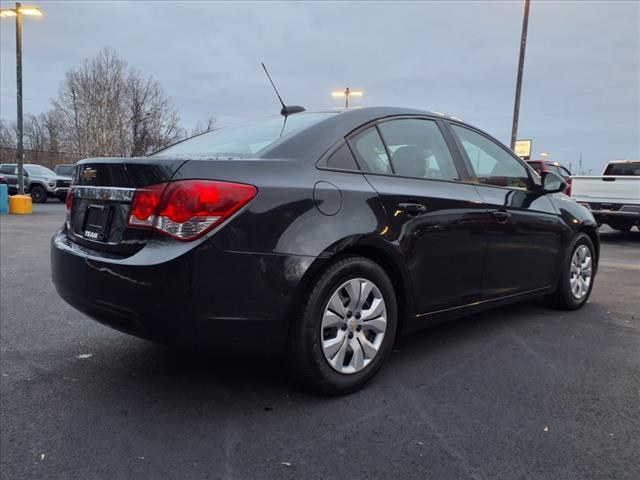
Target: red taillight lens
column 187, row 209
column 567, row 190
column 144, row 205
column 69, row 201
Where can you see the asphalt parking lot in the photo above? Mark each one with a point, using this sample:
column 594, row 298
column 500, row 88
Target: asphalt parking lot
column 522, row 392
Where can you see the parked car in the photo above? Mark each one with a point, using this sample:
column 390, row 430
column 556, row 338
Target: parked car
column 41, row 182
column 64, row 169
column 614, row 198
column 321, row 238
column 547, row 166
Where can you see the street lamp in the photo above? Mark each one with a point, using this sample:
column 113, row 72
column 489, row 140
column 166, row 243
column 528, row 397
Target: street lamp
column 17, row 13
column 516, row 104
column 346, row 93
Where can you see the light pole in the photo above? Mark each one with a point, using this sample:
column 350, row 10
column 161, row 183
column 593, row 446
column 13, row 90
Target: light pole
column 346, row 93
column 523, row 45
column 17, row 13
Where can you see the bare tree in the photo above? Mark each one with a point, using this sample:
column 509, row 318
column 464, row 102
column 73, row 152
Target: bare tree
column 107, row 109
column 103, row 108
column 204, row 127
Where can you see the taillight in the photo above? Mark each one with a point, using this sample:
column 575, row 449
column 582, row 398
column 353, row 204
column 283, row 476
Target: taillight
column 69, row 205
column 187, row 209
column 567, row 190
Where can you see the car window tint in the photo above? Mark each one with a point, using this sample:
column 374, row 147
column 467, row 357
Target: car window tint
column 564, row 172
column 621, row 169
column 491, row 163
column 370, row 151
column 537, row 167
column 554, row 169
column 8, row 169
column 418, row 149
column 342, row 158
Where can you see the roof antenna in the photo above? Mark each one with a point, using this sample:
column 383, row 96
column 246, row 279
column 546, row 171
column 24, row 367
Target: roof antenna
column 286, row 110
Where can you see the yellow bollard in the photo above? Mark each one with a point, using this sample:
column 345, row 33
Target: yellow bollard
column 20, row 204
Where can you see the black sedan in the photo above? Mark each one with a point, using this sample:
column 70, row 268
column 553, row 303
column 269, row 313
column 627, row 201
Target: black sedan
column 319, row 235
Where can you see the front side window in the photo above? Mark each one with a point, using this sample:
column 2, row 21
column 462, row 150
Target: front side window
column 491, row 163
column 372, row 156
column 418, row 149
column 8, row 169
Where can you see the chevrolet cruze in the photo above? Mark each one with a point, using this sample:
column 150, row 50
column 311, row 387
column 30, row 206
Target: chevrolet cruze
column 320, row 236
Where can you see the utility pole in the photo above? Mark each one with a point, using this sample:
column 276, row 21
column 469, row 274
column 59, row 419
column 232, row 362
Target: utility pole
column 20, row 149
column 523, row 45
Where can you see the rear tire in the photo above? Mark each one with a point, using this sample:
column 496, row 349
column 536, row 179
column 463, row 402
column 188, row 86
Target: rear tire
column 577, row 276
column 38, row 194
column 329, row 317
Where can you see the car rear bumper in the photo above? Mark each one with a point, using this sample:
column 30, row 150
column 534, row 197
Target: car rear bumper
column 205, row 297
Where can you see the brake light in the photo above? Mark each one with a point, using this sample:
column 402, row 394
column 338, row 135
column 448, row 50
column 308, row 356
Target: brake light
column 187, row 209
column 567, row 190
column 69, row 205
column 69, row 201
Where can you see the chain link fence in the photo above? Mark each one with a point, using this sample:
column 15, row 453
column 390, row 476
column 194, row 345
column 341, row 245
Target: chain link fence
column 40, row 157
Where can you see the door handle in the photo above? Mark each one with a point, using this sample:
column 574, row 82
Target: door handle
column 501, row 216
column 412, row 208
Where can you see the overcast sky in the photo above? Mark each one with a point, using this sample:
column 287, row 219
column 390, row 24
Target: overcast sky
column 581, row 90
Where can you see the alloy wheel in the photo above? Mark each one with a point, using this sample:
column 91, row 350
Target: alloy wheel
column 353, row 325
column 581, row 271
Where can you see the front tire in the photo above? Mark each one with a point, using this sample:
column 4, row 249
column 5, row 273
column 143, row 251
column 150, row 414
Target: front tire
column 577, row 276
column 38, row 194
column 344, row 330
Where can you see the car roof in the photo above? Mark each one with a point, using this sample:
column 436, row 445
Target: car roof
column 313, row 141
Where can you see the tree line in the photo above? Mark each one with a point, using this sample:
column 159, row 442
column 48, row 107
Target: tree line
column 103, row 108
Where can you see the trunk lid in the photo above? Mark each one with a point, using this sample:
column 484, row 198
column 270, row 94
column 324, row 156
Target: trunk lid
column 102, row 189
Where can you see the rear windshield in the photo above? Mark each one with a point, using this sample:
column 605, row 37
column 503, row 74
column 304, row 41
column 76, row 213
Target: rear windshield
column 65, row 169
column 244, row 140
column 631, row 168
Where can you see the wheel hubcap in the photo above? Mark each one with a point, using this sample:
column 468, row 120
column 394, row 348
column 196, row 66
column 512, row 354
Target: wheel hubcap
column 353, row 325
column 581, row 269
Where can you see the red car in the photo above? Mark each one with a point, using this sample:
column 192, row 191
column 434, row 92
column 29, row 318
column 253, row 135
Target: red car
column 547, row 166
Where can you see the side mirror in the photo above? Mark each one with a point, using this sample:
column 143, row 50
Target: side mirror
column 552, row 183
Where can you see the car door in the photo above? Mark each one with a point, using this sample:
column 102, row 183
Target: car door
column 522, row 226
column 433, row 217
column 10, row 173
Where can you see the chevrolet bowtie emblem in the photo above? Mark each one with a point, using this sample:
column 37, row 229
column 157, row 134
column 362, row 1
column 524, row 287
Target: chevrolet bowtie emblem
column 89, row 173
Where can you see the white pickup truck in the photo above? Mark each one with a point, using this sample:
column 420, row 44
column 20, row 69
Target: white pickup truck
column 614, row 198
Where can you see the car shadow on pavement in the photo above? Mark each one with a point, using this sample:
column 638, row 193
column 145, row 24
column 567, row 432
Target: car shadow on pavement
column 155, row 371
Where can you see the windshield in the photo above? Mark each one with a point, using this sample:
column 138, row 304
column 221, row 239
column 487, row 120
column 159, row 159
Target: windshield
column 629, row 168
column 65, row 169
column 39, row 171
column 244, row 140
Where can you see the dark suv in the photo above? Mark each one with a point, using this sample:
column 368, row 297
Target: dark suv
column 39, row 181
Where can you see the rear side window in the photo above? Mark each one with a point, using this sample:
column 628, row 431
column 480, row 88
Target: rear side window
column 372, row 156
column 341, row 159
column 491, row 163
column 8, row 169
column 631, row 168
column 418, row 149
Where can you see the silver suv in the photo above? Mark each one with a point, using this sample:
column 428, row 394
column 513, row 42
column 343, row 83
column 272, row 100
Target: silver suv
column 41, row 182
